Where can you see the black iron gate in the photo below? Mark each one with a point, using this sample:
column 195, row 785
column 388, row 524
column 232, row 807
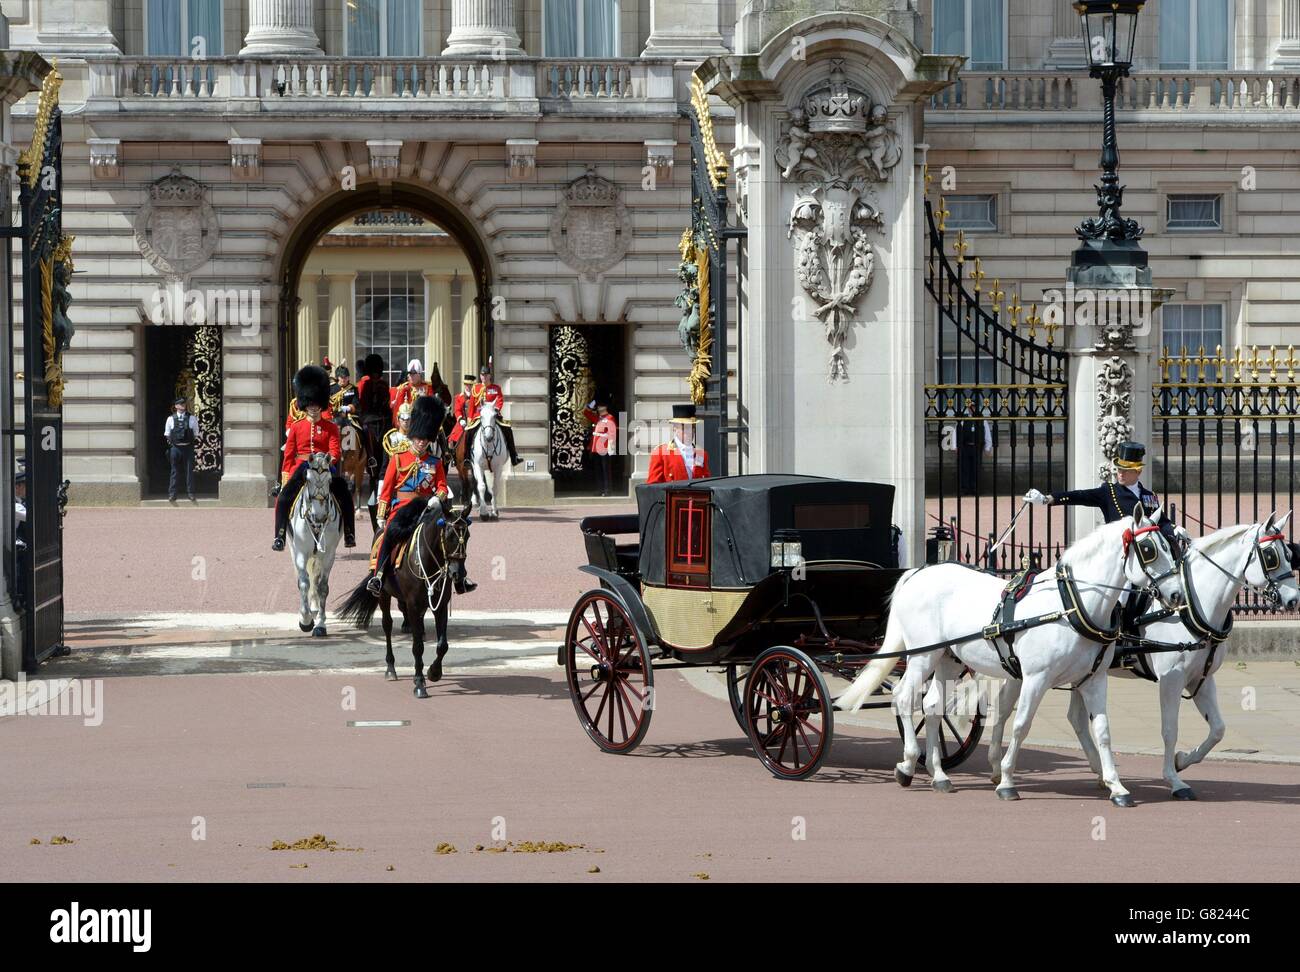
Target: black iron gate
column 996, row 413
column 36, row 560
column 704, row 248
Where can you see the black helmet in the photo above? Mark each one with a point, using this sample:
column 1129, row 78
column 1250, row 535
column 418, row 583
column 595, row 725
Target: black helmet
column 427, row 416
column 373, row 365
column 312, row 386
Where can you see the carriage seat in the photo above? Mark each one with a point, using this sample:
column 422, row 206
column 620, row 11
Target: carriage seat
column 598, row 533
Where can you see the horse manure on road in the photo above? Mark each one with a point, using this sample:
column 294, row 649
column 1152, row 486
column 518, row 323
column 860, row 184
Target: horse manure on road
column 60, row 839
column 532, row 847
column 316, row 842
column 445, row 848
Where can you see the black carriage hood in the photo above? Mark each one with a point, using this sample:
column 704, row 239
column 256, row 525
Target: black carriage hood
column 835, row 520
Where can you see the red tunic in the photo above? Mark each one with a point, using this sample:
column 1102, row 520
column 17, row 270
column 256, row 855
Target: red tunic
column 492, row 393
column 461, row 410
column 406, row 392
column 407, row 478
column 604, row 439
column 307, row 437
column 668, row 466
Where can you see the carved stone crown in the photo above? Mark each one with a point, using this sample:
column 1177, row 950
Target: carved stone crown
column 835, row 107
column 176, row 190
column 591, row 190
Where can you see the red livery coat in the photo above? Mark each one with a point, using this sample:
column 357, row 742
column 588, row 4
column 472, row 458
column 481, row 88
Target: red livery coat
column 668, row 466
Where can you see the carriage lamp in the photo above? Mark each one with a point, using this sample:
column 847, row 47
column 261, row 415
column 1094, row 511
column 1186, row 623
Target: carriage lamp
column 787, row 550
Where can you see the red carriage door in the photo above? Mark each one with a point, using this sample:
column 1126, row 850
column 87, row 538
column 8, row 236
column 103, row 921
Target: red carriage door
column 689, row 542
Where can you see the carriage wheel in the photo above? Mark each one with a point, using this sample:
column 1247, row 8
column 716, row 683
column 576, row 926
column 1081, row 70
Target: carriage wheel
column 609, row 674
column 960, row 729
column 788, row 713
column 736, row 691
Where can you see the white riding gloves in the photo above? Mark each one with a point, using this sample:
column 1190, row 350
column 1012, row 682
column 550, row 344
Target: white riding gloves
column 1035, row 497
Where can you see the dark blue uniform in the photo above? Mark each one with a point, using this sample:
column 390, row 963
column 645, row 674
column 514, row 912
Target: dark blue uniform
column 1116, row 502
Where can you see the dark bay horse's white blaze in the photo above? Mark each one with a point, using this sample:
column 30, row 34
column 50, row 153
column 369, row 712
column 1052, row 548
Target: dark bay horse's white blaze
column 1239, row 553
column 489, row 458
column 315, row 526
column 933, row 604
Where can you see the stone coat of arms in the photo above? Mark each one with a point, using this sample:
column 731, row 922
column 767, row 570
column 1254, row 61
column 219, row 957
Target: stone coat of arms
column 591, row 229
column 836, row 147
column 176, row 229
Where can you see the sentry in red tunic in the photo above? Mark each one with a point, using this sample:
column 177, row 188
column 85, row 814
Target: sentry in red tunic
column 307, row 437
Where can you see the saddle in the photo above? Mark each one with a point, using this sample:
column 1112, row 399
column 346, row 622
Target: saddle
column 1003, row 625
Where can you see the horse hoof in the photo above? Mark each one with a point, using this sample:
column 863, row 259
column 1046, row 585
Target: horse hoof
column 1181, row 762
column 1008, row 793
column 1123, row 800
column 1102, row 784
column 901, row 778
column 1186, row 793
column 943, row 786
column 304, row 627
column 318, row 631
column 435, row 672
column 390, row 676
column 420, row 691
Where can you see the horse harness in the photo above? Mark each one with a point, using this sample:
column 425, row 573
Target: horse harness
column 441, row 577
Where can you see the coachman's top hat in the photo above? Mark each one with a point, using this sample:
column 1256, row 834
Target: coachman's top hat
column 427, row 415
column 684, row 414
column 1130, row 455
column 312, row 386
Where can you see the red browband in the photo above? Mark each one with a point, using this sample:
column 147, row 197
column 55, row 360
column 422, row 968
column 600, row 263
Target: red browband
column 1276, row 536
column 1130, row 535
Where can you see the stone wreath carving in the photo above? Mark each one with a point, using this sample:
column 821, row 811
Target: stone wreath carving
column 1114, row 407
column 836, row 147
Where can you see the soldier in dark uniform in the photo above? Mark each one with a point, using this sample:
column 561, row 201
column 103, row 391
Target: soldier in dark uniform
column 974, row 439
column 182, row 434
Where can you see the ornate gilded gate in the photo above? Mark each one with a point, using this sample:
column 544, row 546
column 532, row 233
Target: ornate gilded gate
column 1225, row 438
column 996, row 413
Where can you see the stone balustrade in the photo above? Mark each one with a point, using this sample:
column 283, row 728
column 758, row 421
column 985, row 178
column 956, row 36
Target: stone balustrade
column 1153, row 91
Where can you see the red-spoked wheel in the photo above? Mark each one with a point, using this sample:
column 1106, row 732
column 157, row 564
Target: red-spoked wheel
column 609, row 674
column 962, row 723
column 788, row 713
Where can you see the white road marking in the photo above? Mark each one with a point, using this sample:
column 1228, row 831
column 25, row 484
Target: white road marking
column 289, row 620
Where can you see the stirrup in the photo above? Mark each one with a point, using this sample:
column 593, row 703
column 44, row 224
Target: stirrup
column 375, row 585
column 278, row 542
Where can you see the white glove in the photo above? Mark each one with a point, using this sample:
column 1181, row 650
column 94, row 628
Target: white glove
column 1035, row 497
column 381, row 521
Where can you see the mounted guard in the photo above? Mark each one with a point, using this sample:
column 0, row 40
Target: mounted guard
column 488, row 390
column 408, row 391
column 312, row 434
column 372, row 408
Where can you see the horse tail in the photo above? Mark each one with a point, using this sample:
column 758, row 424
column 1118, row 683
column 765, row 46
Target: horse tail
column 359, row 606
column 877, row 670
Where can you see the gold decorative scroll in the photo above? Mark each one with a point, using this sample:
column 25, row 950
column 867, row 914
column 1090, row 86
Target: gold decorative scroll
column 49, row 100
column 714, row 160
column 53, row 366
column 696, row 251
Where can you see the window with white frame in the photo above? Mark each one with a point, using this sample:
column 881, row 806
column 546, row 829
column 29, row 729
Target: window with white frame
column 976, row 213
column 976, row 29
column 580, row 28
column 1195, row 35
column 1194, row 211
column 390, row 318
column 382, row 28
column 1190, row 327
column 173, row 27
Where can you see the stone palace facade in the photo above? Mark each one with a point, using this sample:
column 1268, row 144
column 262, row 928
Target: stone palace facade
column 535, row 168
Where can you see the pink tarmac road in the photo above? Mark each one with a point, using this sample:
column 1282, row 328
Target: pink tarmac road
column 262, row 758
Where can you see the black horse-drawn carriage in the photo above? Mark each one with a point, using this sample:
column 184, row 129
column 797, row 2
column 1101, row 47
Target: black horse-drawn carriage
column 778, row 578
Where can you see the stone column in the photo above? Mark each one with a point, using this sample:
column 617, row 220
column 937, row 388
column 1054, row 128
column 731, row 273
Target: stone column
column 281, row 27
column 1067, row 49
column 482, row 27
column 684, row 28
column 341, row 335
column 470, row 346
column 64, row 27
column 437, row 342
column 308, row 323
column 1287, row 53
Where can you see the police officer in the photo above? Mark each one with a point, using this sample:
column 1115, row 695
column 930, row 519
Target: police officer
column 182, row 434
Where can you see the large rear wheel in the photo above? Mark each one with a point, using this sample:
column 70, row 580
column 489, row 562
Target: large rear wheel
column 609, row 674
column 962, row 723
column 788, row 713
column 736, row 679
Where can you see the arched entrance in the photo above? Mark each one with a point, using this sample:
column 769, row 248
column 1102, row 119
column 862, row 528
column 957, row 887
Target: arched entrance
column 346, row 204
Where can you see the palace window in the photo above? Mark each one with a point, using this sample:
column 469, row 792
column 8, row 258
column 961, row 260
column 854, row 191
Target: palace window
column 972, row 213
column 1194, row 211
column 382, row 28
column 1191, row 327
column 390, row 319
column 174, row 28
column 1195, row 35
column 976, row 29
column 580, row 28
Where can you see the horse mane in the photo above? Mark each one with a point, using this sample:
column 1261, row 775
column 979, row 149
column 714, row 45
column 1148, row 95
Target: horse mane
column 1087, row 546
column 1213, row 542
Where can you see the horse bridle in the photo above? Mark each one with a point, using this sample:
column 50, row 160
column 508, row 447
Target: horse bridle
column 458, row 525
column 1275, row 566
column 317, row 527
column 1148, row 552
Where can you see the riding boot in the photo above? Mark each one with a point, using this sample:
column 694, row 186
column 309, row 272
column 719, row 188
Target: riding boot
column 282, row 503
column 509, row 433
column 464, row 585
column 343, row 496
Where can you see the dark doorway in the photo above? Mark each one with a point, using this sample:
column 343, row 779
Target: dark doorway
column 587, row 361
column 182, row 360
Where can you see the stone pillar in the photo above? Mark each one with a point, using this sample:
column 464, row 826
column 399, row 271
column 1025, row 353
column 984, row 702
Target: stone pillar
column 65, row 27
column 308, row 322
column 437, row 342
column 482, row 27
column 1067, row 49
column 341, row 336
column 1286, row 56
column 281, row 27
column 684, row 28
column 470, row 345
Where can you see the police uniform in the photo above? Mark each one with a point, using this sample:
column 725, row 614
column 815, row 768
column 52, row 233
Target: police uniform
column 669, row 462
column 305, row 438
column 182, row 433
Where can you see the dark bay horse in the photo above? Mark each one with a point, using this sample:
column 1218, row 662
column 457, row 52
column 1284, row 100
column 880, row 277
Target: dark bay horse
column 431, row 569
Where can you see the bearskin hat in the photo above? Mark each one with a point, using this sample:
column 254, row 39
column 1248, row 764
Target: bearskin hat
column 312, row 386
column 427, row 415
column 373, row 365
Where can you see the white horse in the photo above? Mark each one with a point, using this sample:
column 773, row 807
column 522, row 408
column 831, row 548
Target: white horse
column 489, row 457
column 1093, row 573
column 1217, row 566
column 315, row 526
